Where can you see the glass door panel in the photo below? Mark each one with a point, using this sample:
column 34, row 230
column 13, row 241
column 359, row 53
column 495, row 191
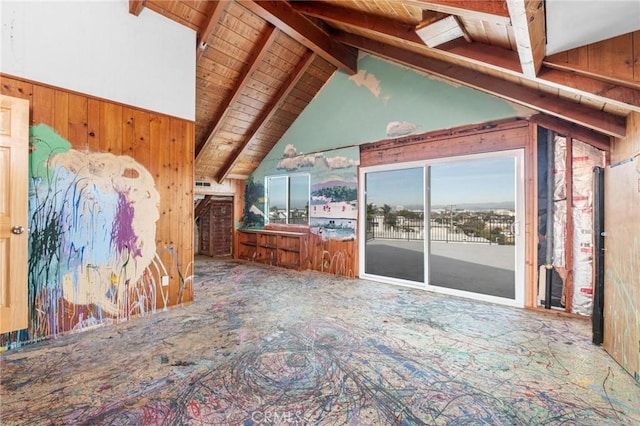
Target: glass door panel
column 473, row 226
column 394, row 233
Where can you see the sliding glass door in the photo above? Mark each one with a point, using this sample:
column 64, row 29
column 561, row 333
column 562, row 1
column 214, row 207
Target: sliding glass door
column 394, row 224
column 451, row 225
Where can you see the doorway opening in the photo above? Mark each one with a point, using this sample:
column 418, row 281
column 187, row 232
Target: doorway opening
column 214, row 226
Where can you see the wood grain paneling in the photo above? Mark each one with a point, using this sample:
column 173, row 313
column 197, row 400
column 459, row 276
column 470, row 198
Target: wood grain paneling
column 475, row 139
column 333, row 256
column 162, row 144
column 617, row 57
column 622, row 250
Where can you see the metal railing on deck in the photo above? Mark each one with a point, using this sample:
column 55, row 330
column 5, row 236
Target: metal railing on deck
column 472, row 229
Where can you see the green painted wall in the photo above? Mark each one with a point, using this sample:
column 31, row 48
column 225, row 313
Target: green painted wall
column 358, row 109
column 381, row 101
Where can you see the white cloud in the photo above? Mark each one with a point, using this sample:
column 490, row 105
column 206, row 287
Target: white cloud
column 295, row 163
column 340, row 162
column 290, row 151
column 400, row 128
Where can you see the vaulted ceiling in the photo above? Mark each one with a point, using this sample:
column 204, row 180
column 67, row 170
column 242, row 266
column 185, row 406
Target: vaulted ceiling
column 259, row 63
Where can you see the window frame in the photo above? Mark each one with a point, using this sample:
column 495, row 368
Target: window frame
column 287, row 196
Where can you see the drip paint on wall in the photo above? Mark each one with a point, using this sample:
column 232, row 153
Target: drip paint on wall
column 92, row 250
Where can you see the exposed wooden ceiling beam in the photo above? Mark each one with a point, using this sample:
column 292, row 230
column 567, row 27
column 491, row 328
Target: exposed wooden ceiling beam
column 493, row 57
column 575, row 131
column 216, row 12
column 600, row 121
column 487, row 55
column 625, row 96
column 136, row 6
column 202, row 206
column 492, row 7
column 527, row 19
column 301, row 29
column 261, row 48
column 608, row 90
column 577, row 69
column 470, row 10
column 269, row 111
column 366, row 21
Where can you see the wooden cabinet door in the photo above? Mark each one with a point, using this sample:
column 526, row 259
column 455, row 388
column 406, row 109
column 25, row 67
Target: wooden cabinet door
column 222, row 228
column 14, row 163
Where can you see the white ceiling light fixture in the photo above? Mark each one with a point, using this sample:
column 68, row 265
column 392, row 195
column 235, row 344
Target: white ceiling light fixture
column 436, row 33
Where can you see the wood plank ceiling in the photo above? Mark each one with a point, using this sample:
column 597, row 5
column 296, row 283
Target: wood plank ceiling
column 259, row 63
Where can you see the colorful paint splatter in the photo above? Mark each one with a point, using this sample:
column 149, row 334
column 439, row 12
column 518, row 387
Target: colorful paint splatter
column 264, row 345
column 92, row 235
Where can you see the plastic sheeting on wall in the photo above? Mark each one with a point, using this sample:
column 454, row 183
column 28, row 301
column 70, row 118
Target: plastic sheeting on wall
column 584, row 159
column 559, row 201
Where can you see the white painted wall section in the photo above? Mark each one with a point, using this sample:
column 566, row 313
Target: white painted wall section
column 98, row 48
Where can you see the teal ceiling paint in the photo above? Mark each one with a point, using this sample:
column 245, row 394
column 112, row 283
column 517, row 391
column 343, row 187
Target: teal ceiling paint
column 383, row 100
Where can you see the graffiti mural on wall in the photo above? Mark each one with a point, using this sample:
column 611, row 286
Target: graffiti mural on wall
column 333, row 208
column 92, row 231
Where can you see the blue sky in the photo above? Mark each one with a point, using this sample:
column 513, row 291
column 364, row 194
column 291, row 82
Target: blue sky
column 395, row 187
column 478, row 181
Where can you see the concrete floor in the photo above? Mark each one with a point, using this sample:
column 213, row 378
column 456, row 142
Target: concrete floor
column 263, row 345
column 477, row 268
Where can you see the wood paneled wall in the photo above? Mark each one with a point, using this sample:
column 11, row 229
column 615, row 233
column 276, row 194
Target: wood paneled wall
column 473, row 139
column 617, row 57
column 333, row 256
column 163, row 145
column 622, row 250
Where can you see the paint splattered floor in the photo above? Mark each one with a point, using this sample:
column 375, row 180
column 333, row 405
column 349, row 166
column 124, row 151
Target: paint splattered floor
column 263, row 345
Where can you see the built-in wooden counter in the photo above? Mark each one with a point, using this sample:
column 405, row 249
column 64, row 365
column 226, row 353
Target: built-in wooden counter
column 279, row 248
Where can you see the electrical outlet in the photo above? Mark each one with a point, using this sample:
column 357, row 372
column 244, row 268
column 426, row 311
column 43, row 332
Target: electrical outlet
column 165, row 280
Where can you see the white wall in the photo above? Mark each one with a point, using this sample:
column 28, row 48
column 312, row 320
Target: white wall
column 573, row 23
column 98, row 48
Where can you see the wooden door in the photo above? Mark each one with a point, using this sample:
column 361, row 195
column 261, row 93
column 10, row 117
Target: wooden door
column 14, row 162
column 622, row 264
column 221, row 228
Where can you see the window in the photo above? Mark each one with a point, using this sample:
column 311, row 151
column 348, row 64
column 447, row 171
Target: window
column 288, row 199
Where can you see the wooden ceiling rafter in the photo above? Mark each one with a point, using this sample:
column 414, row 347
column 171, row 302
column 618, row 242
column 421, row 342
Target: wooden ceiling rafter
column 574, row 112
column 301, row 29
column 218, row 8
column 365, row 21
column 136, row 6
column 268, row 112
column 577, row 69
column 624, row 96
column 454, row 8
column 583, row 134
column 260, row 50
column 581, row 84
column 527, row 20
column 494, row 57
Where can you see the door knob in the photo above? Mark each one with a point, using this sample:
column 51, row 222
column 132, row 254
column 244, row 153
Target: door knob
column 17, row 230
